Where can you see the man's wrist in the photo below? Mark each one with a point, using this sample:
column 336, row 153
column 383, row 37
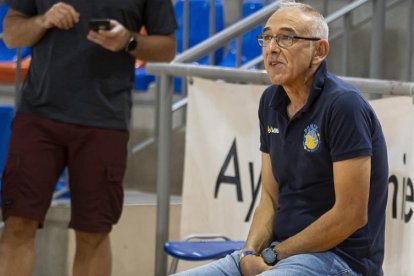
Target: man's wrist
column 270, row 256
column 247, row 252
column 132, row 43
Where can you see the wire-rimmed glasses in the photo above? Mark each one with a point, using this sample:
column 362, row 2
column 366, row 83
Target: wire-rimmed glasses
column 282, row 40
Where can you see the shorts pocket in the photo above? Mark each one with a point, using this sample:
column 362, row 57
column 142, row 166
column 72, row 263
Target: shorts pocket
column 115, row 174
column 115, row 194
column 10, row 180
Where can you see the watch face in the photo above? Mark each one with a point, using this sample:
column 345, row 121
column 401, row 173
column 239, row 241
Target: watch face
column 269, row 256
column 132, row 44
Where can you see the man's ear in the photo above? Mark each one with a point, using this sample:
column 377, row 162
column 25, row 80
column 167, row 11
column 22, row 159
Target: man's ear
column 321, row 51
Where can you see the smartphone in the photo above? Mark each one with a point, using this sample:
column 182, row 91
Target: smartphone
column 97, row 24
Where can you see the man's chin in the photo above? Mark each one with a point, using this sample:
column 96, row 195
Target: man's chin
column 276, row 80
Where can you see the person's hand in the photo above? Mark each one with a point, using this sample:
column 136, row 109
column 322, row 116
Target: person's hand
column 252, row 265
column 114, row 39
column 60, row 15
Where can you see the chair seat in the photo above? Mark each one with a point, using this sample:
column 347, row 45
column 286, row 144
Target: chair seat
column 201, row 250
column 142, row 80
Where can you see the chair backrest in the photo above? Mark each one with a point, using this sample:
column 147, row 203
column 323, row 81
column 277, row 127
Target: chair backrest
column 199, row 18
column 3, row 10
column 249, row 47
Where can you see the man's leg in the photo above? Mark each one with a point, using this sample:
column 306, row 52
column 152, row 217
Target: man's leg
column 311, row 264
column 227, row 266
column 17, row 250
column 93, row 254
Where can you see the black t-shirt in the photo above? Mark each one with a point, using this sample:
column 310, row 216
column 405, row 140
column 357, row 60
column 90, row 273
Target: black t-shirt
column 76, row 81
column 335, row 124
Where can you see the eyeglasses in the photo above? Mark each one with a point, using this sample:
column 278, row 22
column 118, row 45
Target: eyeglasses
column 283, row 41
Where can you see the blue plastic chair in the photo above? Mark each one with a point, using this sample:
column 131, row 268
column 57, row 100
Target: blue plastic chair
column 62, row 188
column 142, row 80
column 199, row 18
column 249, row 47
column 200, row 248
column 6, row 117
column 199, row 22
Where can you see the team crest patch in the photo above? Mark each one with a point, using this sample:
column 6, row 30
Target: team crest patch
column 311, row 138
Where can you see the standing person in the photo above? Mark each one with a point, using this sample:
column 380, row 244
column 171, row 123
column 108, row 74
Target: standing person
column 74, row 111
column 324, row 164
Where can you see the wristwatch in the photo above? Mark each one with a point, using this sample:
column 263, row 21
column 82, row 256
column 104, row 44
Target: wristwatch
column 245, row 253
column 269, row 256
column 132, row 43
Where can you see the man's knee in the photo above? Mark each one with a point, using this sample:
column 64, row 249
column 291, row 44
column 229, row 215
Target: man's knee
column 19, row 230
column 91, row 240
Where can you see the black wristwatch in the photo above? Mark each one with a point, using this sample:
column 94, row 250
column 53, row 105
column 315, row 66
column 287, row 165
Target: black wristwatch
column 269, row 256
column 132, row 43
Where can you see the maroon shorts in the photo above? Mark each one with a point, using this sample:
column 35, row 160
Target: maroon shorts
column 40, row 149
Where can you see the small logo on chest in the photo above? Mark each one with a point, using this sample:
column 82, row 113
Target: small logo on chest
column 311, row 138
column 272, row 129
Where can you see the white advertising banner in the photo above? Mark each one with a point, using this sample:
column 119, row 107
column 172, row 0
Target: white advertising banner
column 222, row 158
column 397, row 117
column 222, row 166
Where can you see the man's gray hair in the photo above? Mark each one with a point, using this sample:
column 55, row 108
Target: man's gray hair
column 319, row 28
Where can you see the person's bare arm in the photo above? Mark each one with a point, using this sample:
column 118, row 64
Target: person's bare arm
column 261, row 229
column 349, row 213
column 21, row 30
column 150, row 48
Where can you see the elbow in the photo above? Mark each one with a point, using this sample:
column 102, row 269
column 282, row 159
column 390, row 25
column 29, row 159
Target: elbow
column 358, row 220
column 351, row 219
column 170, row 54
column 170, row 49
column 9, row 41
column 362, row 221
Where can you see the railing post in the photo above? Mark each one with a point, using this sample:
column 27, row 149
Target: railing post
column 163, row 173
column 377, row 39
column 345, row 43
column 186, row 24
column 18, row 75
column 212, row 27
column 410, row 40
column 239, row 39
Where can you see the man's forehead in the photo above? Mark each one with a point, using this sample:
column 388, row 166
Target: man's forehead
column 289, row 20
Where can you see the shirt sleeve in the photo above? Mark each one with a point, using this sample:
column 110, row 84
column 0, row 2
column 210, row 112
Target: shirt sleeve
column 27, row 7
column 159, row 17
column 264, row 147
column 350, row 125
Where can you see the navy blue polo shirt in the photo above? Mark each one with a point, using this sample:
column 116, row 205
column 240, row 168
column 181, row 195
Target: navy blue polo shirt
column 335, row 124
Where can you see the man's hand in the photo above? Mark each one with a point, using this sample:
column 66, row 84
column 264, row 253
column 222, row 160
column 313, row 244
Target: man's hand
column 113, row 40
column 60, row 15
column 252, row 265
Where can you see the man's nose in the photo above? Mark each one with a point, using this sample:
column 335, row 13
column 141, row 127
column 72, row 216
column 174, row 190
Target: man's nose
column 273, row 46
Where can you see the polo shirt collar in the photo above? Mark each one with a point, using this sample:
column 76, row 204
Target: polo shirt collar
column 280, row 99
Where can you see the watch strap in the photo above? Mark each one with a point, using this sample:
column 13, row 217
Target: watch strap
column 247, row 252
column 132, row 43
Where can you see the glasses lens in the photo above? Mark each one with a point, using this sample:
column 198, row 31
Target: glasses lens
column 284, row 41
column 260, row 40
column 264, row 40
